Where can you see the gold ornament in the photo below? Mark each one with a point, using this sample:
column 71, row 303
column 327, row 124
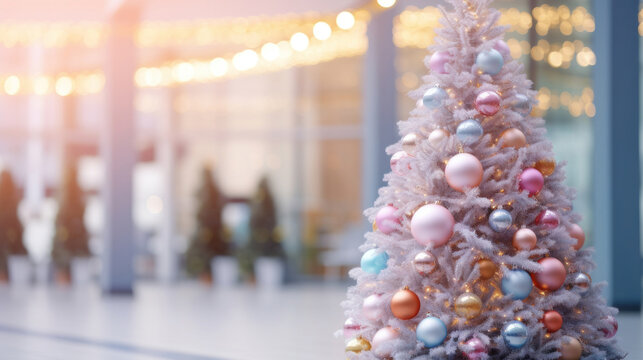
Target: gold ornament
column 570, row 348
column 513, row 138
column 487, row 269
column 358, row 345
column 468, row 305
column 409, row 143
column 545, row 166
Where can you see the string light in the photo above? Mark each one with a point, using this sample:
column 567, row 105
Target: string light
column 345, row 20
column 64, row 85
column 386, row 3
column 299, row 41
column 322, row 30
column 12, row 85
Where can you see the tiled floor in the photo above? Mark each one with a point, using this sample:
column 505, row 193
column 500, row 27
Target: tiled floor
column 188, row 322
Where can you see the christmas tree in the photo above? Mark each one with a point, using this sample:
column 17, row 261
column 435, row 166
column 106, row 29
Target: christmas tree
column 71, row 238
column 475, row 252
column 209, row 239
column 265, row 239
column 10, row 225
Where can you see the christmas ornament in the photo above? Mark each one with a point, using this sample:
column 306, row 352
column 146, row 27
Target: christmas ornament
column 570, row 348
column 469, row 131
column 474, row 349
column 425, row 263
column 500, row 220
column 547, row 218
column 577, row 233
column 400, row 163
column 522, row 105
column 382, row 338
column 513, row 138
column 545, row 166
column 373, row 261
column 358, row 345
column 405, row 304
column 551, row 276
column 434, row 97
column 490, row 61
column 502, row 47
column 387, row 219
column 409, row 143
column 524, row 239
column 351, row 327
column 517, row 284
column 463, row 171
column 373, row 307
column 432, row 225
column 581, row 283
column 468, row 305
column 488, row 103
column 438, row 60
column 437, row 137
column 515, row 334
column 487, row 269
column 431, row 332
column 531, row 180
column 552, row 320
column 609, row 327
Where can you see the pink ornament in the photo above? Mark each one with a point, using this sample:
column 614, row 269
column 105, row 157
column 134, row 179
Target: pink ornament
column 438, row 60
column 577, row 233
column 531, row 180
column 463, row 171
column 551, row 276
column 400, row 163
column 432, row 225
column 381, row 344
column 488, row 103
column 524, row 239
column 475, row 349
column 548, row 218
column 387, row 219
column 610, row 327
column 502, row 47
column 351, row 328
column 373, row 307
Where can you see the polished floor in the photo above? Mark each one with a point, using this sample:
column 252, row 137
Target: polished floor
column 188, row 322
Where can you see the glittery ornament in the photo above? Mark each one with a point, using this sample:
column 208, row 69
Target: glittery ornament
column 431, row 331
column 469, row 131
column 432, row 225
column 463, row 171
column 488, row 103
column 500, row 220
column 515, row 334
column 468, row 305
column 524, row 239
column 570, row 348
column 425, row 263
column 434, row 97
column 551, row 276
column 405, row 304
column 373, row 261
column 552, row 320
column 409, row 143
column 517, row 284
column 358, row 345
column 545, row 166
column 513, row 138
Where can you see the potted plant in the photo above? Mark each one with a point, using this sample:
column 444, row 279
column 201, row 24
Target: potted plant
column 13, row 249
column 208, row 255
column 265, row 239
column 70, row 253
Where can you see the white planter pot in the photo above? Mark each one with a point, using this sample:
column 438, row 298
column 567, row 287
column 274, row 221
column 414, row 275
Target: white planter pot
column 82, row 271
column 270, row 272
column 225, row 271
column 20, row 270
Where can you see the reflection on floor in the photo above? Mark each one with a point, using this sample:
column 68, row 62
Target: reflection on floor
column 188, row 322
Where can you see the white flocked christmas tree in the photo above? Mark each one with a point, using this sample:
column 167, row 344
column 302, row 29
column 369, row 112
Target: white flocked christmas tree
column 475, row 252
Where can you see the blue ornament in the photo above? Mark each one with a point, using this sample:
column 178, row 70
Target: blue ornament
column 522, row 105
column 515, row 334
column 517, row 284
column 434, row 97
column 374, row 261
column 469, row 131
column 500, row 220
column 431, row 332
column 490, row 62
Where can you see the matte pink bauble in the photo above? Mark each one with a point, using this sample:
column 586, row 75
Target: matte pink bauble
column 463, row 171
column 502, row 47
column 531, row 180
column 373, row 307
column 387, row 219
column 577, row 233
column 548, row 218
column 610, row 329
column 432, row 225
column 351, row 327
column 400, row 163
column 438, row 60
column 552, row 274
column 383, row 337
column 488, row 103
column 475, row 349
column 524, row 239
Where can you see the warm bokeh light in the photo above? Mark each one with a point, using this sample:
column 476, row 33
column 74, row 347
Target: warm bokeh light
column 183, row 72
column 322, row 30
column 64, row 85
column 299, row 41
column 245, row 60
column 386, row 3
column 41, row 85
column 270, row 51
column 345, row 20
column 12, row 85
column 218, row 67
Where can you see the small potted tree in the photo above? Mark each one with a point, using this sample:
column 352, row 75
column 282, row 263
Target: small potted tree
column 70, row 253
column 209, row 252
column 13, row 249
column 265, row 239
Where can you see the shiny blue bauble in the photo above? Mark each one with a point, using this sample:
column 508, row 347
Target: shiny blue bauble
column 515, row 334
column 517, row 284
column 434, row 97
column 431, row 332
column 500, row 220
column 490, row 61
column 374, row 261
column 522, row 105
column 469, row 131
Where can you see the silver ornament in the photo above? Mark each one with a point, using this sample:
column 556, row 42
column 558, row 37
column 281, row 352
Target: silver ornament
column 500, row 220
column 581, row 283
column 431, row 332
column 490, row 62
column 434, row 97
column 522, row 105
column 515, row 334
column 469, row 131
